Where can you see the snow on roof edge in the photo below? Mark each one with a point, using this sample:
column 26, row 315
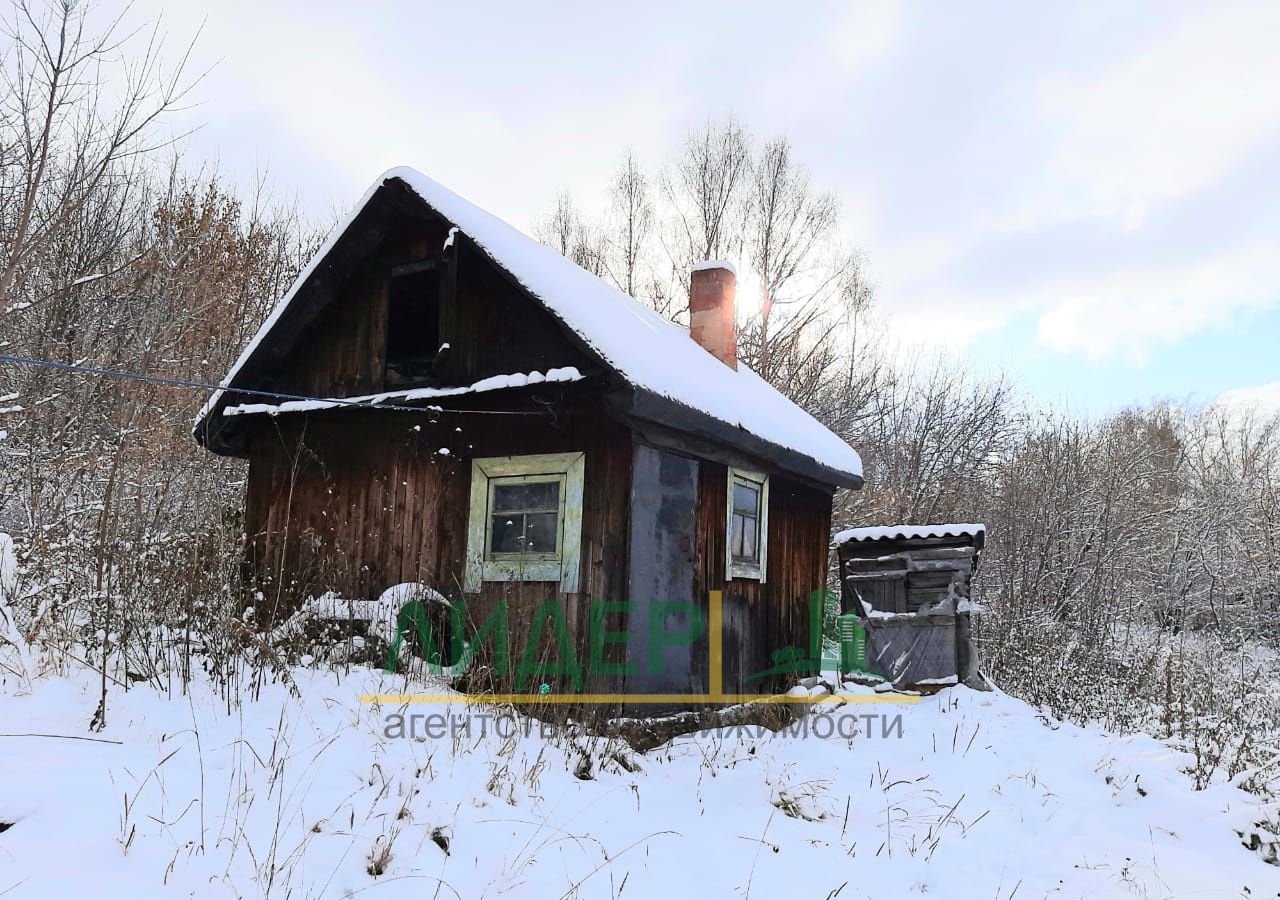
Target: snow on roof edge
column 649, row 351
column 484, row 385
column 715, row 264
column 900, row 532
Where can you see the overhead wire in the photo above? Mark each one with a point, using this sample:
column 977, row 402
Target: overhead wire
column 193, row 384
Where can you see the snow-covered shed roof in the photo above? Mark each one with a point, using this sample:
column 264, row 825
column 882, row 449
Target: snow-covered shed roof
column 906, row 532
column 673, row 376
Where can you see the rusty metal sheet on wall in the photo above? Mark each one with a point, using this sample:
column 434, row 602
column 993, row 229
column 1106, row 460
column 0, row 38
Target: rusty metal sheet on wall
column 664, row 497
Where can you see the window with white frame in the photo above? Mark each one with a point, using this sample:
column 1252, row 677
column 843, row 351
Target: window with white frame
column 525, row 520
column 747, row 525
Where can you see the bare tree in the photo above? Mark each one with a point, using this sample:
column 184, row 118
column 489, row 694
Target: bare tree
column 572, row 235
column 631, row 225
column 787, row 222
column 109, row 259
column 808, row 284
column 69, row 140
column 705, row 189
column 932, row 437
column 801, row 291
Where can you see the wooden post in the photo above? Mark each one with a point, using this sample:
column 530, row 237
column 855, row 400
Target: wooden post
column 715, row 643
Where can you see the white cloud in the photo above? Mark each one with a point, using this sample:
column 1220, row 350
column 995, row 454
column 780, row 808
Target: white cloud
column 1170, row 120
column 347, row 95
column 949, row 328
column 1109, row 148
column 951, row 136
column 1126, row 313
column 867, row 33
column 920, row 307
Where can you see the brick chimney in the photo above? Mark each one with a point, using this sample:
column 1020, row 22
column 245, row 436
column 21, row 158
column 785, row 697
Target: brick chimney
column 711, row 309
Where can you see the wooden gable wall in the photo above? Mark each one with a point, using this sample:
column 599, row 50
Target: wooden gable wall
column 494, row 328
column 491, row 325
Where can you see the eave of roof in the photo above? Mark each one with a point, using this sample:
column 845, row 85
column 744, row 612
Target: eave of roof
column 907, row 532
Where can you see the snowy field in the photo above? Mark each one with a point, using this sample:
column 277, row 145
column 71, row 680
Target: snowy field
column 282, row 796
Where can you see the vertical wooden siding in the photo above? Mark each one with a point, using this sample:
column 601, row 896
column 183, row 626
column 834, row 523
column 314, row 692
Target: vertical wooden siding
column 344, row 350
column 356, row 501
column 761, row 618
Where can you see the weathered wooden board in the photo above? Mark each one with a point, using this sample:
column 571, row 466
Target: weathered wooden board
column 906, row 574
column 883, row 591
column 355, row 501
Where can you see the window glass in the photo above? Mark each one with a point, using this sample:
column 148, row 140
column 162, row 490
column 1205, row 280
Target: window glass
column 537, row 495
column 744, row 530
column 525, row 517
column 540, row 532
column 507, row 534
column 749, row 533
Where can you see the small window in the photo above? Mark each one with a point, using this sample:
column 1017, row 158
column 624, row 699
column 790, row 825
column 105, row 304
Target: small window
column 747, row 525
column 413, row 322
column 525, row 522
column 524, row 517
column 744, row 534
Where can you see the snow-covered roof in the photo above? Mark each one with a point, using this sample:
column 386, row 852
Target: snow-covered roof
column 901, row 532
column 645, row 349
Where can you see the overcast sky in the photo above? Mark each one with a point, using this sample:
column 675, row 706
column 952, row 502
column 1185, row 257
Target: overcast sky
column 1086, row 197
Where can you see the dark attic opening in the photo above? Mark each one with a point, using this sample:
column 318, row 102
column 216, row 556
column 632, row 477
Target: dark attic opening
column 413, row 323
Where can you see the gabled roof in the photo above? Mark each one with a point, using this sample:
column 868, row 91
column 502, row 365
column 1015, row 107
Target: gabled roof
column 676, row 381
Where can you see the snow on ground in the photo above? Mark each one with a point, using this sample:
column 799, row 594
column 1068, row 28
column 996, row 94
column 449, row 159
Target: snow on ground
column 302, row 797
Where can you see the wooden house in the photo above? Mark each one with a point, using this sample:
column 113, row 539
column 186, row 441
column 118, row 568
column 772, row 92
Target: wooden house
column 485, row 417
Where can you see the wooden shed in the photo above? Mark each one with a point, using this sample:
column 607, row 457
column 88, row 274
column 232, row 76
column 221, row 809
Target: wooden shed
column 911, row 587
column 478, row 414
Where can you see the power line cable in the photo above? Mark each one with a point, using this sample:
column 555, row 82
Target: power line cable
column 80, row 369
